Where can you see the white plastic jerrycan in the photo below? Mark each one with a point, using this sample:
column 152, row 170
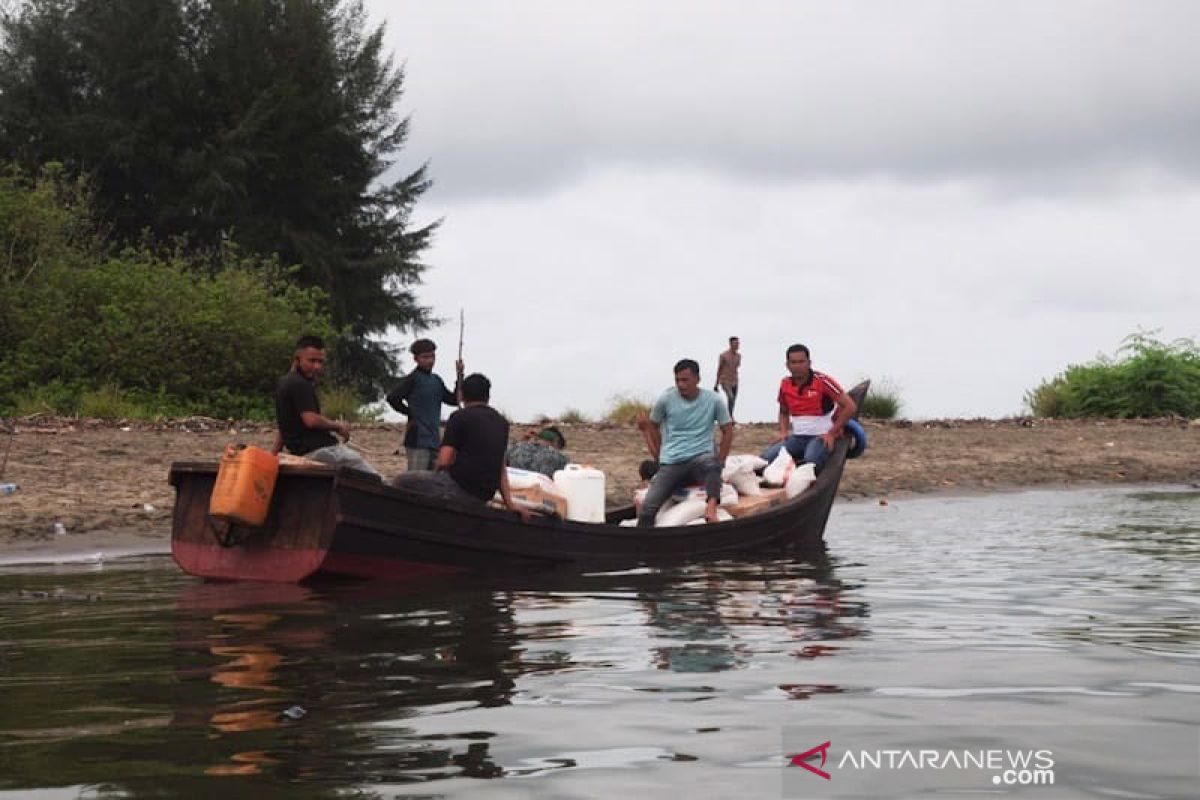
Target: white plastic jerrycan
column 584, row 488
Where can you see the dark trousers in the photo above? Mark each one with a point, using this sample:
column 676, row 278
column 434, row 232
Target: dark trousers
column 439, row 485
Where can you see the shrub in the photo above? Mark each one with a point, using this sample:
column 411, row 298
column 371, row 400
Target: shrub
column 108, row 402
column 51, row 398
column 1047, row 399
column 882, row 401
column 1146, row 378
column 573, row 416
column 344, row 403
column 625, row 409
column 208, row 334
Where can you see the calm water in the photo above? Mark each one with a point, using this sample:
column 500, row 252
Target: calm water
column 1079, row 608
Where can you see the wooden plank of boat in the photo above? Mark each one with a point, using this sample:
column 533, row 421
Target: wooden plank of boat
column 333, row 521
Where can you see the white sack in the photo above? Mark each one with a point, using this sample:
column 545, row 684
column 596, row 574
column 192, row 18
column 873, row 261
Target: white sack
column 779, row 470
column 740, row 463
column 746, row 484
column 681, row 513
column 800, row 479
column 722, row 516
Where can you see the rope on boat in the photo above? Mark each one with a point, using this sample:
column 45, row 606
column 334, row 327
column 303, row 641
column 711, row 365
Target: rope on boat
column 226, row 533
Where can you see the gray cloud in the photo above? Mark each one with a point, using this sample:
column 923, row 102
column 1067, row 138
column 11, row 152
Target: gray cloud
column 525, row 96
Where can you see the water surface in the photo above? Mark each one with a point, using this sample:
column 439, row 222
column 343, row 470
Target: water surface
column 128, row 679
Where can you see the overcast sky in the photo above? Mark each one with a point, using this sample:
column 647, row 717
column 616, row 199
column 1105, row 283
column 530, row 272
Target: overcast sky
column 961, row 198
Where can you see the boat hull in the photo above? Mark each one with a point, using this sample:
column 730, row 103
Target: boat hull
column 326, row 521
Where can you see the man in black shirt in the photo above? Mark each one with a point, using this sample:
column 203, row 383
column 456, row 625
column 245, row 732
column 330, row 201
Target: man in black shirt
column 470, row 462
column 303, row 430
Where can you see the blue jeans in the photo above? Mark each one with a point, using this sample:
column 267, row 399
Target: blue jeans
column 704, row 469
column 805, row 449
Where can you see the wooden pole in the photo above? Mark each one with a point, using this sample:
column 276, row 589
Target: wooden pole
column 458, row 370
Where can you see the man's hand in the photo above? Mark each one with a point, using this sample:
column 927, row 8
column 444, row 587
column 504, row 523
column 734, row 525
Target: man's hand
column 828, row 438
column 523, row 513
column 342, row 429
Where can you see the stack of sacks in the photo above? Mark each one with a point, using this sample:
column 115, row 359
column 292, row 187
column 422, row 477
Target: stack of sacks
column 741, row 491
column 686, row 504
column 740, row 473
column 784, row 472
column 534, row 491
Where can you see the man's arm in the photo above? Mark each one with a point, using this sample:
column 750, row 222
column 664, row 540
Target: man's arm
column 445, row 457
column 506, row 495
column 318, row 422
column 844, row 410
column 726, row 442
column 397, row 398
column 277, row 446
column 785, row 422
column 651, row 435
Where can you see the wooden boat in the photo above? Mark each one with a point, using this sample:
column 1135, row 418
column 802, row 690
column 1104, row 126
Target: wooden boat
column 329, row 521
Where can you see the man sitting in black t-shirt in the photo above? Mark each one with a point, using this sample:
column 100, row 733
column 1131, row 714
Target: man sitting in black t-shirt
column 470, row 463
column 302, row 428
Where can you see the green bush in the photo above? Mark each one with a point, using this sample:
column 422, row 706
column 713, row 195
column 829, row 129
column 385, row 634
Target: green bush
column 573, row 416
column 624, row 409
column 882, row 401
column 1146, row 378
column 344, row 403
column 178, row 334
column 51, row 398
column 108, row 402
column 1047, row 399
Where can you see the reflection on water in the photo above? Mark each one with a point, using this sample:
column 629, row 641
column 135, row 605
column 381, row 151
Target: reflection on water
column 133, row 680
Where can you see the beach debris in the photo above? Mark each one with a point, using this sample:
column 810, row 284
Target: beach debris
column 59, row 529
column 1110, row 444
column 294, row 712
column 147, row 507
column 58, row 594
column 883, row 501
column 8, row 488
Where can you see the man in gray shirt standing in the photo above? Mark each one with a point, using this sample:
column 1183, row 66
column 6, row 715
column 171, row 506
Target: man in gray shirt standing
column 727, row 372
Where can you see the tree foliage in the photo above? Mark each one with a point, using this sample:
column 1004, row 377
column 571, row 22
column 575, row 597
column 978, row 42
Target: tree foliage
column 1147, row 378
column 266, row 123
column 206, row 332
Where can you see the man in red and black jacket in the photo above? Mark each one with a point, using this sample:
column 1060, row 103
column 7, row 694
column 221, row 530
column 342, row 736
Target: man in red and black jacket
column 813, row 409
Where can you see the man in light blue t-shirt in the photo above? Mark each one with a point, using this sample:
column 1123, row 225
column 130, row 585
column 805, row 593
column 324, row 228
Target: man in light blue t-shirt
column 679, row 435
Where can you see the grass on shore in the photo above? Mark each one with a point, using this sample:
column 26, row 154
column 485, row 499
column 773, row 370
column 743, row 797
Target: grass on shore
column 625, row 409
column 882, row 401
column 111, row 402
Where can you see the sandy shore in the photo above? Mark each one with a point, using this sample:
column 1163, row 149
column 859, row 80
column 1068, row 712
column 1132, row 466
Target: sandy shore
column 107, row 483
